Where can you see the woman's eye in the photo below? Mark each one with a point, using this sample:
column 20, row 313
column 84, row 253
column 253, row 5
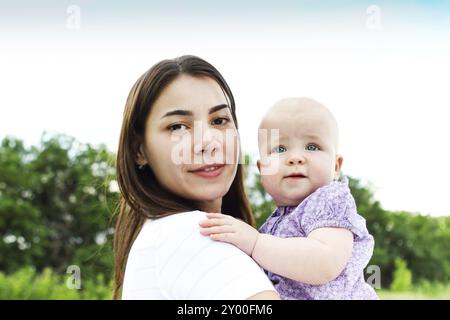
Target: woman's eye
column 177, row 126
column 279, row 149
column 312, row 147
column 219, row 121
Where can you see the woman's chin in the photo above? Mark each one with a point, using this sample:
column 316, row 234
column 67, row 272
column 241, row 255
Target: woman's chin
column 208, row 190
column 209, row 196
column 207, row 193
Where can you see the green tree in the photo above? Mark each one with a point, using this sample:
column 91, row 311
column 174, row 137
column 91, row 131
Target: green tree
column 56, row 201
column 261, row 202
column 55, row 205
column 402, row 276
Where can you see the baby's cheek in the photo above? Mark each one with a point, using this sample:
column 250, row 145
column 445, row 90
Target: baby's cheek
column 270, row 166
column 269, row 182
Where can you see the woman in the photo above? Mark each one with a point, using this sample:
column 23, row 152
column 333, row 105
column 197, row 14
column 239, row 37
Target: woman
column 175, row 162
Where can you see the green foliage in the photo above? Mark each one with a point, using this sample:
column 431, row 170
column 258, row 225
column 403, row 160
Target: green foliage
column 422, row 241
column 424, row 290
column 260, row 201
column 26, row 283
column 56, row 201
column 402, row 277
column 55, row 205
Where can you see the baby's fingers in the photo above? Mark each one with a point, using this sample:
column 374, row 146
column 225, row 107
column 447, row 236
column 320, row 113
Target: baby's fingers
column 214, row 222
column 213, row 215
column 215, row 230
column 224, row 237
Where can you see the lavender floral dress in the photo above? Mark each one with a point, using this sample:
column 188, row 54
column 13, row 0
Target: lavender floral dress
column 329, row 206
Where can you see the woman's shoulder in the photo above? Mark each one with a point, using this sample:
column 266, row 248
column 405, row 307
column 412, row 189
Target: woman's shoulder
column 182, row 220
column 186, row 263
column 154, row 232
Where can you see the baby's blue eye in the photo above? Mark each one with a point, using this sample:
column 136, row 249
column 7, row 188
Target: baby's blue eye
column 279, row 149
column 312, row 147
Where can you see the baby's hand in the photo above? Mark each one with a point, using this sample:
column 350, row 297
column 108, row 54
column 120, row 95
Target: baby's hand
column 222, row 227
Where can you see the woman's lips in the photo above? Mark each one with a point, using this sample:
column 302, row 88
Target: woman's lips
column 209, row 171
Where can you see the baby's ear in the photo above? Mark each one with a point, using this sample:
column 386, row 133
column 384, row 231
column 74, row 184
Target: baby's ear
column 338, row 166
column 258, row 164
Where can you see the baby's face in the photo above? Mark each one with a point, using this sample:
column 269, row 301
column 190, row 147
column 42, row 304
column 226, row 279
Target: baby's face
column 304, row 157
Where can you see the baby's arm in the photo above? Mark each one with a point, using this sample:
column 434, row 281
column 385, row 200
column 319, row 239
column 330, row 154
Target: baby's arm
column 316, row 259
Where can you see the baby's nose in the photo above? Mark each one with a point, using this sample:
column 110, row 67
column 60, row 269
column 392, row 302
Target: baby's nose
column 296, row 160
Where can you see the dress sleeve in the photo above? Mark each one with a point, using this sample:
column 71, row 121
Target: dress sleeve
column 192, row 266
column 333, row 206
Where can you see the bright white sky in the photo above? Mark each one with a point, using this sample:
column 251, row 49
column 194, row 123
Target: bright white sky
column 388, row 88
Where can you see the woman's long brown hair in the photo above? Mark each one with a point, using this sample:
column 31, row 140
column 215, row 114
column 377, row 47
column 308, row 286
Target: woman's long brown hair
column 142, row 197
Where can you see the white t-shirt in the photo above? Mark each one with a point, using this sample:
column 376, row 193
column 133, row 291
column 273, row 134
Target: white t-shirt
column 170, row 259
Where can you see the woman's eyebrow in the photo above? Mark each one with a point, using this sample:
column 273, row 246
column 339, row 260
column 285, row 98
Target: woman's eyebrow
column 217, row 108
column 180, row 112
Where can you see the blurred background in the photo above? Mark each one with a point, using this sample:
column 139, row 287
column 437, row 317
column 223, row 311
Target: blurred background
column 382, row 67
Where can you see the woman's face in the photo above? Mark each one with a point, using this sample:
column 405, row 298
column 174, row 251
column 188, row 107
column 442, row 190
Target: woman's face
column 191, row 141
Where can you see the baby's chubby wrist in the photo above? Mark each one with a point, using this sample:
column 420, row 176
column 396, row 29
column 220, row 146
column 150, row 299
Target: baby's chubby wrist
column 262, row 246
column 254, row 243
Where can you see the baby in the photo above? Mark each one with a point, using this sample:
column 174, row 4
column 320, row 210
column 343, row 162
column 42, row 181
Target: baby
column 315, row 245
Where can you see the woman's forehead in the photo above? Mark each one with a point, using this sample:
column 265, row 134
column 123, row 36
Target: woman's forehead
column 195, row 94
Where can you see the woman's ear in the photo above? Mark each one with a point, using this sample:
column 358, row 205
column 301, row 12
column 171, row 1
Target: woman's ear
column 338, row 166
column 140, row 156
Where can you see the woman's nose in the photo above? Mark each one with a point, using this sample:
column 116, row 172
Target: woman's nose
column 209, row 143
column 206, row 147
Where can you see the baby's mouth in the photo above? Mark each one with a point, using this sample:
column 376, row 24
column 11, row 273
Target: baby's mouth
column 296, row 176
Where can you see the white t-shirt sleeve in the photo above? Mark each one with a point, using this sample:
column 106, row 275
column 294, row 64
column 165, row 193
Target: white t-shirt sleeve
column 192, row 266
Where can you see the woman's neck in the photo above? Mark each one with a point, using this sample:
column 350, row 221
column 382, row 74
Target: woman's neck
column 211, row 206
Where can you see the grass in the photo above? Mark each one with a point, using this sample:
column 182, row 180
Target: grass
column 425, row 291
column 26, row 283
